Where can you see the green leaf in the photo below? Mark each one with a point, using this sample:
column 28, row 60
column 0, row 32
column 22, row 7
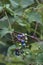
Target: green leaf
column 4, row 1
column 26, row 3
column 14, row 4
column 39, row 8
column 8, row 9
column 1, row 9
column 19, row 21
column 4, row 31
column 3, row 22
column 39, row 58
column 23, row 3
column 2, row 43
column 33, row 15
column 37, row 47
column 19, row 11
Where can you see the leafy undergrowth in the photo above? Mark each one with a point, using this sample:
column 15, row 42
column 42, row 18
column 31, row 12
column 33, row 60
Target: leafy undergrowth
column 21, row 32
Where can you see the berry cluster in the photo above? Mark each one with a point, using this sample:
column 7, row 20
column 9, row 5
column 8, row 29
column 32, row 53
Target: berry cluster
column 18, row 49
column 22, row 38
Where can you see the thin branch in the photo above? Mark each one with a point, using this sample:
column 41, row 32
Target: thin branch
column 9, row 26
column 35, row 29
column 33, row 37
column 37, row 1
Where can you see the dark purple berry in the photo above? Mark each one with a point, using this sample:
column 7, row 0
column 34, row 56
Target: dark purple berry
column 19, row 36
column 17, row 52
column 22, row 41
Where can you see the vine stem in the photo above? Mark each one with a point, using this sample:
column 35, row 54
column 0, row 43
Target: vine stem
column 9, row 26
column 37, row 1
column 41, row 35
column 35, row 29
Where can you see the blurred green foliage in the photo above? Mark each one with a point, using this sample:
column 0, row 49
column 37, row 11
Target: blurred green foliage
column 21, row 16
